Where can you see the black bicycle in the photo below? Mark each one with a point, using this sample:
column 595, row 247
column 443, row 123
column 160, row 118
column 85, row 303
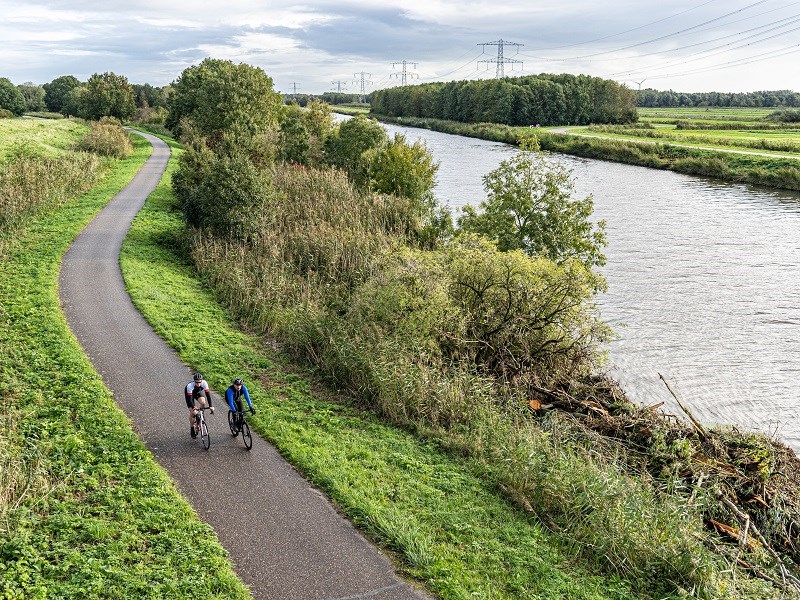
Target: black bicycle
column 237, row 423
column 200, row 427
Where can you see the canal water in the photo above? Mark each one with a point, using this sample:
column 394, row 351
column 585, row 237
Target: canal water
column 703, row 282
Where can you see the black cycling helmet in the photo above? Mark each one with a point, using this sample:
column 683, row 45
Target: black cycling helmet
column 237, row 381
column 197, row 377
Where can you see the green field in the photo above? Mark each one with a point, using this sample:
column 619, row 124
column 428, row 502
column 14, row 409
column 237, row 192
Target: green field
column 739, row 129
column 711, row 113
column 42, row 137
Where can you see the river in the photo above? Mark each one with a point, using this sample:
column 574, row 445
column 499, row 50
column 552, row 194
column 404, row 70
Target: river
column 703, row 281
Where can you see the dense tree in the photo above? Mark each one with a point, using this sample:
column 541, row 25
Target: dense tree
column 74, row 102
column 402, row 169
column 218, row 96
column 293, row 137
column 530, row 207
column 542, row 99
column 148, row 96
column 55, row 92
column 11, row 98
column 355, row 136
column 34, row 96
column 108, row 95
column 660, row 99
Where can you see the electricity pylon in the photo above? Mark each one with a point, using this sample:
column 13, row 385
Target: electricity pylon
column 404, row 74
column 339, row 85
column 363, row 79
column 500, row 60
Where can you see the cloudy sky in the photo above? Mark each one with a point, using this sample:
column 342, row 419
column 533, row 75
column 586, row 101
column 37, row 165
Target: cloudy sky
column 321, row 45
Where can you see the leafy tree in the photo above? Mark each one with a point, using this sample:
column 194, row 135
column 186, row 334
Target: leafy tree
column 530, row 207
column 218, row 96
column 108, row 95
column 303, row 132
column 55, row 92
column 11, row 98
column 74, row 102
column 402, row 169
column 293, row 137
column 34, row 96
column 355, row 136
column 147, row 96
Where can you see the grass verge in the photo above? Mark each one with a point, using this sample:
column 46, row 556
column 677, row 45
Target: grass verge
column 85, row 512
column 447, row 525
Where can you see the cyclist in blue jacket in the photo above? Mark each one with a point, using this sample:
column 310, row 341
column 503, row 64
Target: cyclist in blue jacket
column 234, row 395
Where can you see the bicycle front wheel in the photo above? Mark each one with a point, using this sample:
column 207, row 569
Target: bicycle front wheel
column 204, row 437
column 246, row 437
column 232, row 423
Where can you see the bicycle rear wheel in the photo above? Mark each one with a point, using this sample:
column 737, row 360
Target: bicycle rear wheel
column 246, row 437
column 204, row 437
column 232, row 423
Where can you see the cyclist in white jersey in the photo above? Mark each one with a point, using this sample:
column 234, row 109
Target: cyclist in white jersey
column 195, row 390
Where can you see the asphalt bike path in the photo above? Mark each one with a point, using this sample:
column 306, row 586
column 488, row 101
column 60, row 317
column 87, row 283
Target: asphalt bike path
column 284, row 537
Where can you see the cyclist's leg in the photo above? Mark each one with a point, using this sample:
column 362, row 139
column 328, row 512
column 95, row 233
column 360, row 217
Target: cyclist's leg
column 239, row 412
column 190, row 405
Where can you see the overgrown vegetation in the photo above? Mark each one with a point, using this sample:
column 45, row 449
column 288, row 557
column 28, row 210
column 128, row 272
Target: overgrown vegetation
column 84, row 510
column 457, row 340
column 432, row 509
column 107, row 138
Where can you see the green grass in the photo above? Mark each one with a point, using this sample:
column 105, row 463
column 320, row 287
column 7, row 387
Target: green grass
column 51, row 138
column 777, row 142
column 85, row 512
column 712, row 113
column 445, row 524
column 351, row 109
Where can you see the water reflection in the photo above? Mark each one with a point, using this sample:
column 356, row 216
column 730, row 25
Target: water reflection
column 703, row 281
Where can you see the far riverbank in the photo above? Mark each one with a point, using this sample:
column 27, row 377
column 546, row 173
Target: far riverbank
column 768, row 171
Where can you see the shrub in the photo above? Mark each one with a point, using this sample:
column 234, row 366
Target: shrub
column 107, row 138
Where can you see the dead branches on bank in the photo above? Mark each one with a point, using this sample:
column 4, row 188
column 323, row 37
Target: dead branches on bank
column 746, row 485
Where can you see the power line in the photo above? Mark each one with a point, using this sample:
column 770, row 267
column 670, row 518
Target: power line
column 736, row 63
column 705, row 54
column 339, row 85
column 658, row 39
column 500, row 60
column 600, row 39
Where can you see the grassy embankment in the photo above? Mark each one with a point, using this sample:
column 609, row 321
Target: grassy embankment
column 570, row 479
column 85, row 512
column 351, row 109
column 778, row 172
column 445, row 523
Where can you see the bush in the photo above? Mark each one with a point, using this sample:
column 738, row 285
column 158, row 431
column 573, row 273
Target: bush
column 107, row 138
column 6, row 114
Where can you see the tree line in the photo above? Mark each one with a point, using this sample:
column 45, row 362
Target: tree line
column 530, row 100
column 651, row 98
column 102, row 95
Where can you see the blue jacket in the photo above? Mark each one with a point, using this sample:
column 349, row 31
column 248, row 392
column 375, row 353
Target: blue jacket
column 231, row 394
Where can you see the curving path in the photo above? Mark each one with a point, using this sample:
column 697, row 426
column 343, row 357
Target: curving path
column 284, row 537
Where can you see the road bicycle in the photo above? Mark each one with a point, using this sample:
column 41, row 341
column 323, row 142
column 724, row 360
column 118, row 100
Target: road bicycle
column 237, row 423
column 200, row 427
